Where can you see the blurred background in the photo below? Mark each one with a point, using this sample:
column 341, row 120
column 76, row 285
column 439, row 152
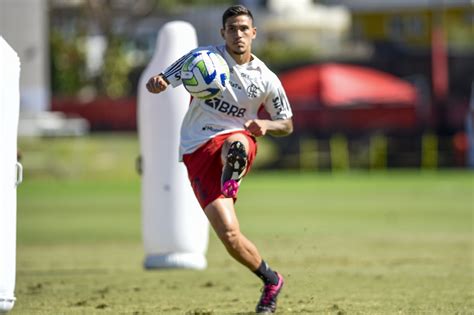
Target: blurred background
column 373, row 84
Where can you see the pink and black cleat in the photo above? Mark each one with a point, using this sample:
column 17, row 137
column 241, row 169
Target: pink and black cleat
column 230, row 188
column 234, row 169
column 268, row 300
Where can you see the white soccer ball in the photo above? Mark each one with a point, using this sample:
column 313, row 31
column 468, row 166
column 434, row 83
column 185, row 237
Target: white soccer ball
column 205, row 74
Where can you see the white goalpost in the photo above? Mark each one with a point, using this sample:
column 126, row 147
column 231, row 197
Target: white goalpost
column 175, row 229
column 10, row 170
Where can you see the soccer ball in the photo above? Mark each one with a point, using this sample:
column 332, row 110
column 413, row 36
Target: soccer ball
column 205, row 74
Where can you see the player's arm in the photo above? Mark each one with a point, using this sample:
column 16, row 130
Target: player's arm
column 277, row 128
column 277, row 105
column 171, row 76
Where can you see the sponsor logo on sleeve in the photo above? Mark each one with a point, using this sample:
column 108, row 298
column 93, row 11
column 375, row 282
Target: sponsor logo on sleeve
column 280, row 103
column 277, row 104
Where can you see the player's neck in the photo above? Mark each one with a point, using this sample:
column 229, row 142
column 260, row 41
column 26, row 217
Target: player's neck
column 241, row 59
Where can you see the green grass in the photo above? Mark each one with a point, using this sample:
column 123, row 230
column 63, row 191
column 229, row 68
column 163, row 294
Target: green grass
column 347, row 243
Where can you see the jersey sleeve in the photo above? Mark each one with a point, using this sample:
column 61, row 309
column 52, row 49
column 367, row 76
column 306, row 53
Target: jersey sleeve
column 173, row 72
column 276, row 102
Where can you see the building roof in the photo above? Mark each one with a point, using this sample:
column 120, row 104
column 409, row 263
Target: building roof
column 377, row 5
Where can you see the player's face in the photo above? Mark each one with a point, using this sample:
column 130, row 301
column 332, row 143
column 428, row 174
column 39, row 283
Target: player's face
column 238, row 33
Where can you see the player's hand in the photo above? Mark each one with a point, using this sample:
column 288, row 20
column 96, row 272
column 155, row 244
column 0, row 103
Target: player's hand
column 257, row 127
column 156, row 84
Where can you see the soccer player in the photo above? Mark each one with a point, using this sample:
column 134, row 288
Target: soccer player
column 218, row 139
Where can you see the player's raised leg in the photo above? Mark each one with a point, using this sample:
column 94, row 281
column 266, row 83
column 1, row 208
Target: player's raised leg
column 234, row 161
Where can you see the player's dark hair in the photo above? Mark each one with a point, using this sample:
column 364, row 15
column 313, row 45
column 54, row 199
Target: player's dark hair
column 235, row 10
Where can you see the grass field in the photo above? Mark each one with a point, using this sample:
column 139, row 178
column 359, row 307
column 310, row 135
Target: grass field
column 352, row 243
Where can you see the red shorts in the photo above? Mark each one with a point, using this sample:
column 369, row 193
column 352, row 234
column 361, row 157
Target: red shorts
column 205, row 167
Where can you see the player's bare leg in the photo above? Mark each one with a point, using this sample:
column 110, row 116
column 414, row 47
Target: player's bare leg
column 221, row 215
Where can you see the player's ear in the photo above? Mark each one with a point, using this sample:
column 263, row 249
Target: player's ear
column 222, row 33
column 254, row 30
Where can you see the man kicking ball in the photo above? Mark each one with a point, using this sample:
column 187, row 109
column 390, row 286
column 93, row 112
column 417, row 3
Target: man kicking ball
column 218, row 146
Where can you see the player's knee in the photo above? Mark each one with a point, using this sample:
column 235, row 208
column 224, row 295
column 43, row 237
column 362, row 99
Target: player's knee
column 231, row 239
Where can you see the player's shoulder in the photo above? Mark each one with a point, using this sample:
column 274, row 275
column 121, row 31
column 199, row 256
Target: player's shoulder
column 257, row 62
column 265, row 71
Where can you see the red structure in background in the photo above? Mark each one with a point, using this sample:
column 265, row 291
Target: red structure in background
column 102, row 113
column 439, row 64
column 330, row 97
column 324, row 98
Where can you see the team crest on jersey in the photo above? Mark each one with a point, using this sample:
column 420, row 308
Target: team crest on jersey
column 252, row 90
